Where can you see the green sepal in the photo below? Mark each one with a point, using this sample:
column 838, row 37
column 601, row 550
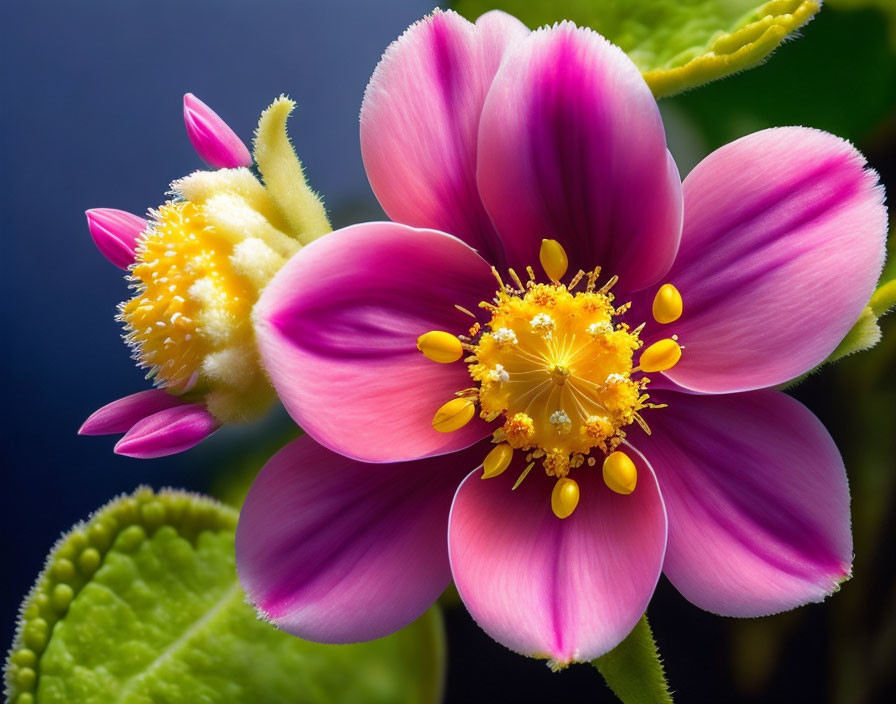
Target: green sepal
column 677, row 44
column 633, row 669
column 142, row 604
column 284, row 175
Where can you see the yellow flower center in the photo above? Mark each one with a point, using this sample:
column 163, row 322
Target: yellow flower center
column 555, row 364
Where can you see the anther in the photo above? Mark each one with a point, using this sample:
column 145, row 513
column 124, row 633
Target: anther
column 620, row 473
column 453, row 415
column 440, row 346
column 660, row 356
column 553, row 259
column 497, row 460
column 565, row 497
column 667, row 304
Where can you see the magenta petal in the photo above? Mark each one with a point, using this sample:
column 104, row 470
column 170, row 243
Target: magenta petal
column 338, row 551
column 420, row 118
column 215, row 143
column 569, row 589
column 115, row 233
column 783, row 244
column 120, row 415
column 571, row 147
column 338, row 327
column 757, row 499
column 168, row 432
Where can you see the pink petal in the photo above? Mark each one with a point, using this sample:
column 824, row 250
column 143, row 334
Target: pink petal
column 120, row 415
column 568, row 589
column 168, row 432
column 571, row 147
column 115, row 233
column 420, row 118
column 757, row 500
column 338, row 551
column 338, row 327
column 783, row 243
column 215, row 143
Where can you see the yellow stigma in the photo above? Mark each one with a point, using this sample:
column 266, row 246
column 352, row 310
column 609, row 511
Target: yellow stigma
column 453, row 415
column 497, row 460
column 564, row 497
column 667, row 304
column 620, row 473
column 553, row 259
column 440, row 346
column 660, row 356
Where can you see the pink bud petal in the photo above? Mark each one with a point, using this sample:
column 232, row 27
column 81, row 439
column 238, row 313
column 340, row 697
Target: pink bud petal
column 115, row 233
column 168, row 432
column 211, row 137
column 122, row 414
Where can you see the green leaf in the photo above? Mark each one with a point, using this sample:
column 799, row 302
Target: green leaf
column 677, row 44
column 141, row 604
column 633, row 669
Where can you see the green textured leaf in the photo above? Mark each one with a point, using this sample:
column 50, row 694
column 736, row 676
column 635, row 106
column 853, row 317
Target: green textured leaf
column 633, row 669
column 141, row 605
column 677, row 44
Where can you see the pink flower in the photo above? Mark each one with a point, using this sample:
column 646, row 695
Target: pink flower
column 497, row 147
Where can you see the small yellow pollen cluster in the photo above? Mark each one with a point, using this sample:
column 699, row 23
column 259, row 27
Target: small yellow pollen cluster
column 556, row 368
column 198, row 272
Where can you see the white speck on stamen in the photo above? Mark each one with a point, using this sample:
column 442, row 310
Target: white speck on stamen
column 596, row 329
column 498, row 374
column 560, row 421
column 542, row 323
column 614, row 379
column 502, row 335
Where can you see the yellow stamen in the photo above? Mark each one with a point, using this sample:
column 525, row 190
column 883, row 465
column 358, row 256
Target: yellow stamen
column 620, row 473
column 453, row 415
column 497, row 460
column 440, row 346
column 565, row 497
column 667, row 304
column 553, row 259
column 660, row 356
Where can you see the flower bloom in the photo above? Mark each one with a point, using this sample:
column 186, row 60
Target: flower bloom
column 558, row 353
column 197, row 267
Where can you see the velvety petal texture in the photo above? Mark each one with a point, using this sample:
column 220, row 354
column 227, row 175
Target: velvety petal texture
column 757, row 499
column 338, row 326
column 420, row 119
column 168, row 432
column 338, row 551
column 570, row 589
column 571, row 147
column 783, row 244
column 120, row 415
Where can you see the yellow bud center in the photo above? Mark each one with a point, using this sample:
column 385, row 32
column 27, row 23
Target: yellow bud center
column 667, row 304
column 620, row 473
column 189, row 321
